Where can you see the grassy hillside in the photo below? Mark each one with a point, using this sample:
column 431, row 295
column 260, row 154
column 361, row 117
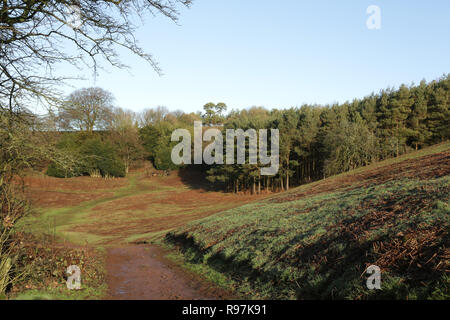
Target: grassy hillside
column 316, row 241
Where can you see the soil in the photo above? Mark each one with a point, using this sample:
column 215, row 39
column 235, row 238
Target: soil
column 141, row 272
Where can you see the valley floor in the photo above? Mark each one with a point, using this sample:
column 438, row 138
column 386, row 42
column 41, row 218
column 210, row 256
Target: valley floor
column 122, row 218
column 314, row 241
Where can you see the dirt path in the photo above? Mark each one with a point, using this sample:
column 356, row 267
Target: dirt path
column 140, row 272
column 100, row 213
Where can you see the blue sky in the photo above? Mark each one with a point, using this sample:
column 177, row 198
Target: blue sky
column 281, row 53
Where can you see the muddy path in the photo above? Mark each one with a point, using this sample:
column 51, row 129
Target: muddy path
column 112, row 214
column 140, row 272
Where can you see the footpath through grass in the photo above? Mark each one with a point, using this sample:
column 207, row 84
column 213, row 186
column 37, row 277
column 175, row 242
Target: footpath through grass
column 82, row 216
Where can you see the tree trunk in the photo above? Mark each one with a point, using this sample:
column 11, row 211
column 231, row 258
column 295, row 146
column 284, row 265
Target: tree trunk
column 287, row 173
column 259, row 185
column 313, row 167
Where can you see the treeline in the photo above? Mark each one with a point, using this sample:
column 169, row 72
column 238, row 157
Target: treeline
column 102, row 140
column 315, row 141
column 319, row 141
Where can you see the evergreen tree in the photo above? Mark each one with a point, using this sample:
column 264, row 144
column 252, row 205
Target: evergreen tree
column 438, row 110
column 416, row 120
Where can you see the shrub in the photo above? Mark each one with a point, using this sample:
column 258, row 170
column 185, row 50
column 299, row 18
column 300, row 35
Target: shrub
column 95, row 158
column 101, row 157
column 163, row 160
column 13, row 207
column 57, row 171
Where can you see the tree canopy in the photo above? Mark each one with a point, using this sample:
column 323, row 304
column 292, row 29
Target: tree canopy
column 36, row 36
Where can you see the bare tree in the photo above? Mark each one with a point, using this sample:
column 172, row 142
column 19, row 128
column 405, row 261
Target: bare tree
column 154, row 115
column 87, row 109
column 124, row 133
column 35, row 36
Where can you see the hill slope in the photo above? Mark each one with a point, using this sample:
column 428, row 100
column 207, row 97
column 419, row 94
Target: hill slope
column 317, row 241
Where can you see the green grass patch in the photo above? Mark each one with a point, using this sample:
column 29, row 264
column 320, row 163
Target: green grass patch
column 319, row 246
